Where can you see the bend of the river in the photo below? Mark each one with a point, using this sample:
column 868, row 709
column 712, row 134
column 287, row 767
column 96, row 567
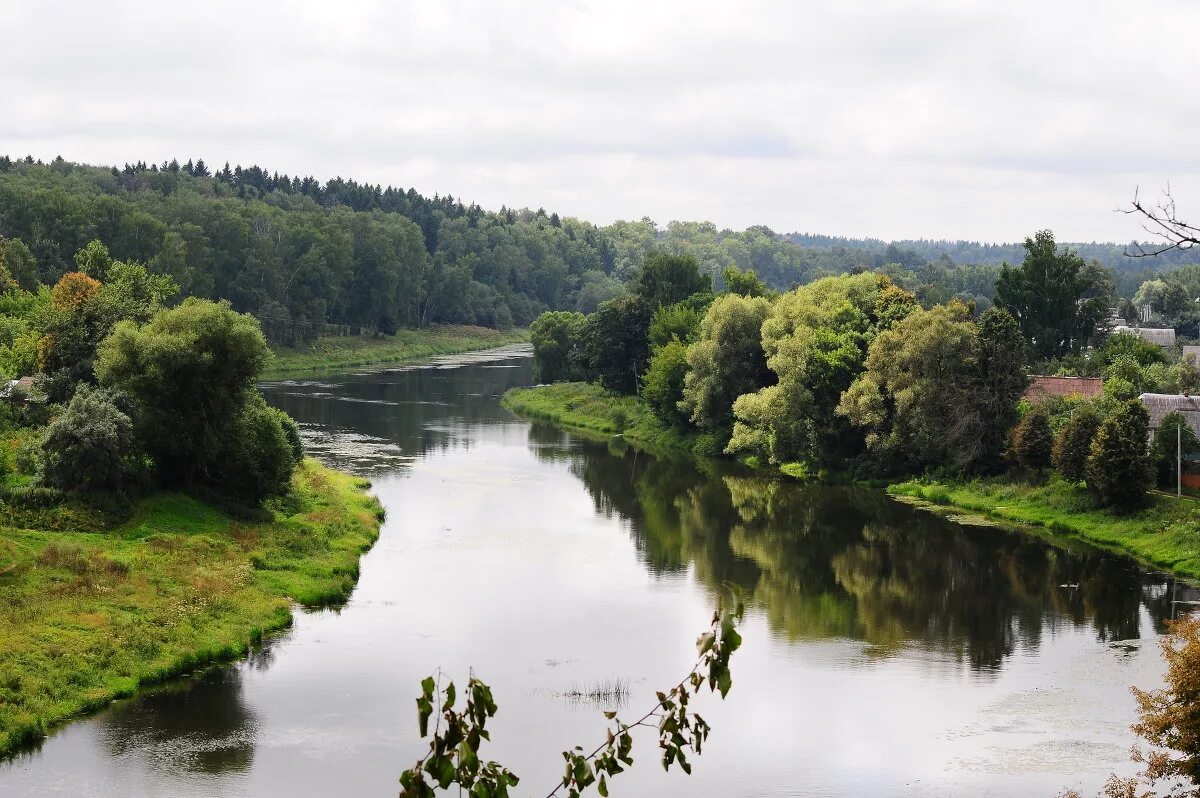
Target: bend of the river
column 887, row 652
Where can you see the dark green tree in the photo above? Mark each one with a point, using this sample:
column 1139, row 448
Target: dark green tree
column 1119, row 469
column 557, row 338
column 90, row 447
column 1033, row 442
column 667, row 279
column 616, row 347
column 191, row 372
column 1048, row 294
column 1000, row 382
column 1073, row 444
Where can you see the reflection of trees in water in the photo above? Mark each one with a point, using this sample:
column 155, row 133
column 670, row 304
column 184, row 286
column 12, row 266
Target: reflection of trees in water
column 199, row 725
column 419, row 410
column 843, row 562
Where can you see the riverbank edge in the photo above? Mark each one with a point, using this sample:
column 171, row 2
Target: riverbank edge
column 331, row 504
column 330, row 354
column 1165, row 535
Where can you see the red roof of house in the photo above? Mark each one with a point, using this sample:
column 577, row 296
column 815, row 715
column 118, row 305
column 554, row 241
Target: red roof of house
column 1041, row 387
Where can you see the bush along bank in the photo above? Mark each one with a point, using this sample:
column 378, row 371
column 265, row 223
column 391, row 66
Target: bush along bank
column 89, row 616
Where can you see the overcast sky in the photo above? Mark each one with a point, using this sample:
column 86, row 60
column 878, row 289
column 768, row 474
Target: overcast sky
column 971, row 120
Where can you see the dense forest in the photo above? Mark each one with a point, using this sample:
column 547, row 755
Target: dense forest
column 311, row 258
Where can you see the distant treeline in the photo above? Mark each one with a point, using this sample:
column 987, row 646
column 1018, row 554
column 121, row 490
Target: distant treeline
column 310, row 257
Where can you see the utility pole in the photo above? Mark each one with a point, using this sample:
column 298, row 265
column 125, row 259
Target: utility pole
column 1179, row 457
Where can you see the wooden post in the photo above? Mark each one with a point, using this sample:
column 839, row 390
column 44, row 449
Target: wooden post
column 1179, row 456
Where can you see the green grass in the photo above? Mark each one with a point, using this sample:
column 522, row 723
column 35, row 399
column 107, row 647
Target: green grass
column 588, row 408
column 88, row 617
column 1165, row 534
column 340, row 352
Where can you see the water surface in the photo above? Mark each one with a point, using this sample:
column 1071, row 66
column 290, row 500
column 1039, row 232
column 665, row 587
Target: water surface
column 886, row 652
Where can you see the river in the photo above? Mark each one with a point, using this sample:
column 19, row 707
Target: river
column 887, row 652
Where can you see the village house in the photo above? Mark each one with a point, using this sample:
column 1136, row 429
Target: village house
column 1159, row 406
column 1042, row 387
column 1159, row 337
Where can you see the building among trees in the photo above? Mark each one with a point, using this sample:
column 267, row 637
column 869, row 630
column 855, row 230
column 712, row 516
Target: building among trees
column 1159, row 337
column 1042, row 387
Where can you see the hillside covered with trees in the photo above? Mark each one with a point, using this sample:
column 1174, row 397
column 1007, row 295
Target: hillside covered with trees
column 309, row 258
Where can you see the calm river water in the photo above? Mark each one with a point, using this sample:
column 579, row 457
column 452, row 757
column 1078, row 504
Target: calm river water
column 886, row 652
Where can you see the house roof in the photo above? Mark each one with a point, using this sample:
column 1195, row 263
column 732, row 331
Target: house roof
column 1160, row 337
column 1042, row 386
column 1158, row 405
column 1191, row 351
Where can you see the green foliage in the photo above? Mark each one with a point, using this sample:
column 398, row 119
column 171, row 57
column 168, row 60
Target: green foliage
column 1119, row 468
column 726, row 360
column 557, row 337
column 1056, row 298
column 1032, row 441
column 1073, row 444
column 1126, row 345
column 745, row 283
column 815, row 339
column 1001, row 380
column 666, row 279
column 1172, row 436
column 615, row 342
column 90, row 447
column 257, row 454
column 94, row 260
column 678, row 322
column 19, row 262
column 191, row 372
column 923, row 397
column 453, row 756
column 663, row 382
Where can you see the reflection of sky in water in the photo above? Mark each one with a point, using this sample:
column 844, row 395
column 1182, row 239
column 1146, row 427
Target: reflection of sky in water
column 887, row 652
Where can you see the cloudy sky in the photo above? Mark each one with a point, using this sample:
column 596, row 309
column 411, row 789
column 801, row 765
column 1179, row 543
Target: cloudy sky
column 981, row 120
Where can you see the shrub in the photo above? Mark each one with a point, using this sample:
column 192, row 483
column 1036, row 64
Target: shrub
column 1074, row 443
column 1118, row 468
column 1032, row 442
column 662, row 385
column 259, row 454
column 556, row 346
column 90, row 447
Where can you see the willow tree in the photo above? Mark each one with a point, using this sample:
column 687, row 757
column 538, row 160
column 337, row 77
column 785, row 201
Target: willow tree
column 726, row 361
column 815, row 339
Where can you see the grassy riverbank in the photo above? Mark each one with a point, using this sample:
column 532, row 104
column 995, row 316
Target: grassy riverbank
column 350, row 351
column 588, row 408
column 88, row 616
column 1165, row 534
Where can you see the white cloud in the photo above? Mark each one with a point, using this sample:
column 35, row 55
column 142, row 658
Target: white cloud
column 895, row 119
